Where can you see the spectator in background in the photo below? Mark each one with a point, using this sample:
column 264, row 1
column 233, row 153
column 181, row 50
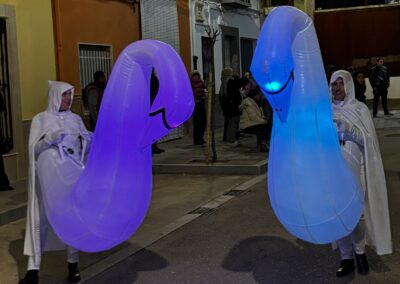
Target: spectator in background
column 252, row 118
column 224, row 99
column 199, row 113
column 154, row 84
column 360, row 87
column 380, row 81
column 93, row 96
column 237, row 90
column 329, row 69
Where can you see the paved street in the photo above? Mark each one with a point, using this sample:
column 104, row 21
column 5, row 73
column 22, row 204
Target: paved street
column 204, row 228
column 242, row 242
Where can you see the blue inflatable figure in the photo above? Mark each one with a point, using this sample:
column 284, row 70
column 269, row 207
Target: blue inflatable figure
column 311, row 188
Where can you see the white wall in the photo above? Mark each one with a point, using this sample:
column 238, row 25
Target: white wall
column 246, row 20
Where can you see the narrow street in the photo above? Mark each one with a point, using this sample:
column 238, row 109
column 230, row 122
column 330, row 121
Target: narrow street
column 242, row 242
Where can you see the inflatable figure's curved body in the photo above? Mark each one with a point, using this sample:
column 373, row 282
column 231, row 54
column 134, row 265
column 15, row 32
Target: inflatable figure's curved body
column 311, row 188
column 99, row 206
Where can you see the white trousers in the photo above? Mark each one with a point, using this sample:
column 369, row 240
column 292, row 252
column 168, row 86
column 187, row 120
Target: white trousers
column 353, row 243
column 35, row 261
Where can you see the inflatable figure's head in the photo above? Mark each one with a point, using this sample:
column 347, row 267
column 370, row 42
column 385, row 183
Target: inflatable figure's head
column 273, row 62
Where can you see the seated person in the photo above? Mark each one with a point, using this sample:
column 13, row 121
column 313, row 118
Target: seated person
column 252, row 118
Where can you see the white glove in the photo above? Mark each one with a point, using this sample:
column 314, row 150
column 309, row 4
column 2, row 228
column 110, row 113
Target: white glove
column 343, row 126
column 87, row 136
column 348, row 132
column 55, row 138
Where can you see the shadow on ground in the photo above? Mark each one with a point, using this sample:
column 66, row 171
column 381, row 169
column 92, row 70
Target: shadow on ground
column 128, row 272
column 276, row 260
column 54, row 263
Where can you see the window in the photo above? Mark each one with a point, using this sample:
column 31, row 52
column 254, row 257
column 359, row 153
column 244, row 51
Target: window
column 94, row 58
column 6, row 131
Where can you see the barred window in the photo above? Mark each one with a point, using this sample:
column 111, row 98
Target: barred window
column 92, row 58
column 6, row 129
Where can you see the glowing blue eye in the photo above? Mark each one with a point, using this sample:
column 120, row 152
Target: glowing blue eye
column 273, row 86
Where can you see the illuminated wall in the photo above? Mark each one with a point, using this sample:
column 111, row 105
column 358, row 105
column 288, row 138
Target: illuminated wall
column 96, row 22
column 35, row 53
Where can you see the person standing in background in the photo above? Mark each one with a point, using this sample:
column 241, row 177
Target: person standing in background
column 380, row 81
column 199, row 113
column 360, row 87
column 93, row 96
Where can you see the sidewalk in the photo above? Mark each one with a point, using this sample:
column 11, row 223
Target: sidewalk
column 180, row 157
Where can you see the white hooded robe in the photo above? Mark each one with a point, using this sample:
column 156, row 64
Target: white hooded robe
column 376, row 210
column 43, row 124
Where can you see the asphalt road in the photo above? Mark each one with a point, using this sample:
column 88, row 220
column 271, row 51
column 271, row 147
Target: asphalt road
column 242, row 242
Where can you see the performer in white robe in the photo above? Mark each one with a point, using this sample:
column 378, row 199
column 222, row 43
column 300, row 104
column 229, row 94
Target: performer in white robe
column 360, row 148
column 57, row 125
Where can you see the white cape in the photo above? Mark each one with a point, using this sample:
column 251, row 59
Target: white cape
column 46, row 122
column 376, row 210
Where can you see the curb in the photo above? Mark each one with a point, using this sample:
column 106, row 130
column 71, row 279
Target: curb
column 256, row 169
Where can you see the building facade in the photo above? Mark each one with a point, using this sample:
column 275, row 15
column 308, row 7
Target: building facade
column 69, row 40
column 28, row 61
column 237, row 24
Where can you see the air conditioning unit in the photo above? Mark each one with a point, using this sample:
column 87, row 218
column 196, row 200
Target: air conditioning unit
column 237, row 3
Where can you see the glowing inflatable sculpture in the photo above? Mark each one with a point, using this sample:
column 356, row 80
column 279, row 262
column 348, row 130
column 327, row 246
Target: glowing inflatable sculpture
column 311, row 188
column 99, row 206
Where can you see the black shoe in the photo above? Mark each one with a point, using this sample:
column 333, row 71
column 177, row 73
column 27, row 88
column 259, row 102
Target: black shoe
column 31, row 277
column 389, row 114
column 362, row 263
column 73, row 273
column 346, row 267
column 6, row 188
column 200, row 142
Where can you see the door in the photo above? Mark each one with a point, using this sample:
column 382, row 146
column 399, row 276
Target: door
column 246, row 50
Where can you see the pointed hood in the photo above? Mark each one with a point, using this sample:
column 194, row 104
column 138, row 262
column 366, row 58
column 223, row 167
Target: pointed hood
column 348, row 84
column 55, row 90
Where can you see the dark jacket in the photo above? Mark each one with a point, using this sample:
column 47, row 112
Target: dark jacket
column 198, row 87
column 234, row 98
column 379, row 77
column 359, row 90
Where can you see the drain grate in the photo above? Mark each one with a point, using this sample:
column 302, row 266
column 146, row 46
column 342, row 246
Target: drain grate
column 203, row 210
column 234, row 192
column 393, row 135
column 201, row 160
